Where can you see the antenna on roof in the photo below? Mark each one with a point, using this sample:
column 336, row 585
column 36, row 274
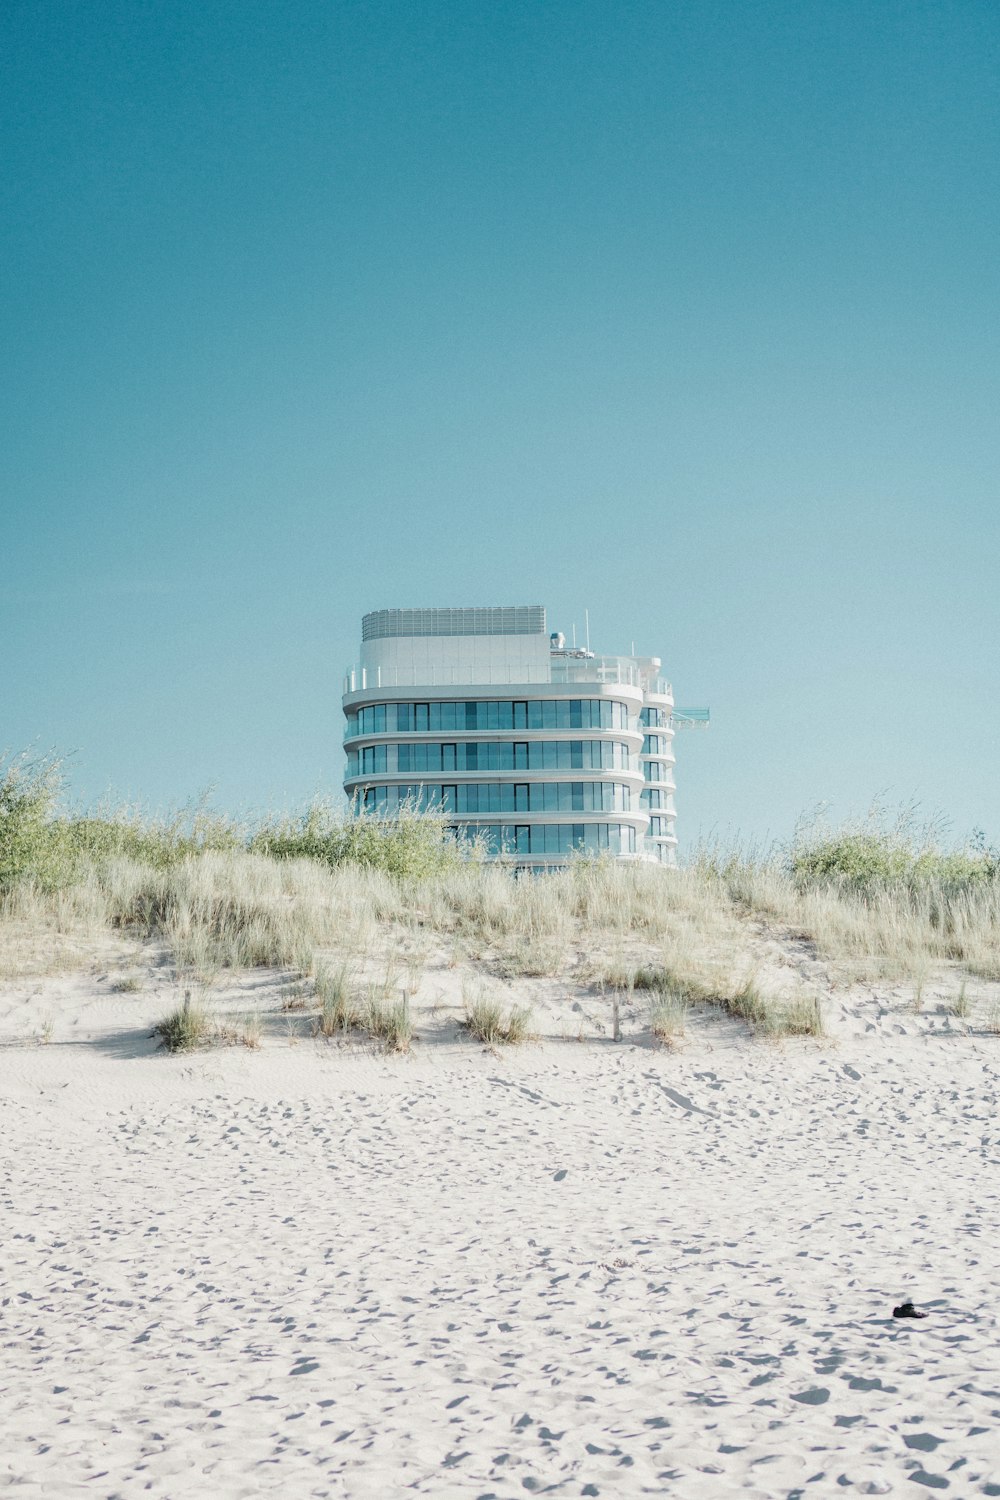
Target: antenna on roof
column 586, row 616
column 574, row 635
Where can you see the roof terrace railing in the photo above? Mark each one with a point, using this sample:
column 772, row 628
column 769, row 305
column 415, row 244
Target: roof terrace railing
column 360, row 680
column 616, row 671
column 620, row 670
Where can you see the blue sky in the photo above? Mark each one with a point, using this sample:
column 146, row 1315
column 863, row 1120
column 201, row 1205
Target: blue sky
column 685, row 313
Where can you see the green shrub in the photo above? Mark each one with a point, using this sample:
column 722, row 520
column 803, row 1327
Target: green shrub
column 32, row 845
column 52, row 849
column 878, row 855
column 858, row 858
column 155, row 842
column 410, row 845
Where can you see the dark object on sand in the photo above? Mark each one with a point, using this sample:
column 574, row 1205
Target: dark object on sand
column 907, row 1310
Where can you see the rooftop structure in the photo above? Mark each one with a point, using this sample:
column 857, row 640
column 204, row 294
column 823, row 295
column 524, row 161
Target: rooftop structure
column 531, row 746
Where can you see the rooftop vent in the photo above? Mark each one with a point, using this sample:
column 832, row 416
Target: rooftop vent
column 508, row 619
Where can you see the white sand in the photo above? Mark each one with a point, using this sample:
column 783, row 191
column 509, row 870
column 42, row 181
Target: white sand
column 571, row 1269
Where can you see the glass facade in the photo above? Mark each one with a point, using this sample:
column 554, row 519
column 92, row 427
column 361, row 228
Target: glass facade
column 476, row 714
column 550, row 838
column 492, row 755
column 501, row 797
column 372, row 758
column 532, row 778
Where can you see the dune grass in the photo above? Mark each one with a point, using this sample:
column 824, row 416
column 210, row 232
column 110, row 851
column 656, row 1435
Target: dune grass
column 388, row 1021
column 802, row 1016
column 668, row 1018
column 318, row 897
column 185, row 1028
column 190, row 1027
column 488, row 1020
column 338, row 1011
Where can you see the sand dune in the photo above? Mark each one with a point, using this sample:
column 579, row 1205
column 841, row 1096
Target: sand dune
column 573, row 1268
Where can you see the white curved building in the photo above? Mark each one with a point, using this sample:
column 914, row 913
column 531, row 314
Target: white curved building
column 535, row 748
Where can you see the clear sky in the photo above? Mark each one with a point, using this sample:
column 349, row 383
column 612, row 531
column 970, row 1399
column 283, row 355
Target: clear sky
column 683, row 312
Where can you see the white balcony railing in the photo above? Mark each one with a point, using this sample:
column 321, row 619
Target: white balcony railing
column 615, row 671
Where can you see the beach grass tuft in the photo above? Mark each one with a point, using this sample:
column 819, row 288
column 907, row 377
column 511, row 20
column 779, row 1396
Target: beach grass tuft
column 668, row 1018
column 389, row 1022
column 802, row 1016
column 185, row 1028
column 488, row 1021
column 338, row 1011
column 748, row 1004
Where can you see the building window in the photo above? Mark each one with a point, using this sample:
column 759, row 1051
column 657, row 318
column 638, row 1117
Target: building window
column 373, row 758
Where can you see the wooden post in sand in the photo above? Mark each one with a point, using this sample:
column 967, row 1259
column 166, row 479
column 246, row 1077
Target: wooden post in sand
column 616, row 1019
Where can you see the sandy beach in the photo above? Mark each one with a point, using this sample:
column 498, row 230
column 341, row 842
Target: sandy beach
column 579, row 1268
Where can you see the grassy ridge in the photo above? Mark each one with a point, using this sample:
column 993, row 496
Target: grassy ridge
column 53, row 850
column 318, row 893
